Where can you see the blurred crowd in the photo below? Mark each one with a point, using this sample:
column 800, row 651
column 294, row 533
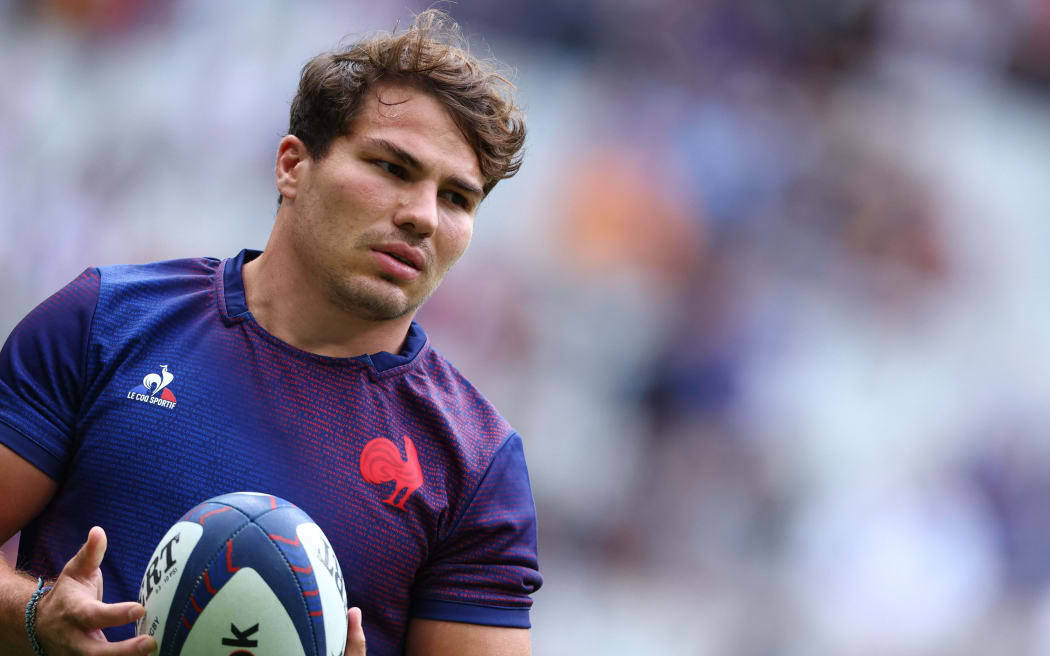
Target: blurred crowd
column 767, row 300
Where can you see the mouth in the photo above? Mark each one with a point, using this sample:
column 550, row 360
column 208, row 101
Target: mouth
column 403, row 253
column 399, row 260
column 402, row 259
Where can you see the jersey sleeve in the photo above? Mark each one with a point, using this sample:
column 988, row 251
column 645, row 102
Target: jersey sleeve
column 484, row 572
column 42, row 368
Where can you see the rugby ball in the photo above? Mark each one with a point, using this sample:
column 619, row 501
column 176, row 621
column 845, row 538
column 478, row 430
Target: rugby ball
column 244, row 574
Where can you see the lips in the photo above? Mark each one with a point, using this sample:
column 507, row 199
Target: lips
column 403, row 253
column 399, row 261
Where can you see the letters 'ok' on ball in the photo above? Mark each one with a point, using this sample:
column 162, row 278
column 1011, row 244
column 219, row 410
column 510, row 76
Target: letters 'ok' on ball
column 244, row 573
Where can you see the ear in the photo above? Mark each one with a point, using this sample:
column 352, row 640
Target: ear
column 292, row 158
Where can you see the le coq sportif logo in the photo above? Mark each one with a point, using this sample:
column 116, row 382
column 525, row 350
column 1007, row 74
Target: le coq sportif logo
column 154, row 389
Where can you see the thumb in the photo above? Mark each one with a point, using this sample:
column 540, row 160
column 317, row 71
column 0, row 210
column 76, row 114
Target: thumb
column 355, row 634
column 87, row 561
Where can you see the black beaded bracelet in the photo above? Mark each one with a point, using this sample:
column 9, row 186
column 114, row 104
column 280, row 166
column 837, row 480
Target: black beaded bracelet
column 40, row 591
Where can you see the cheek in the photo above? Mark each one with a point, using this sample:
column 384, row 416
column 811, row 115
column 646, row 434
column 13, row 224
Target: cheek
column 367, row 193
column 456, row 239
column 350, row 195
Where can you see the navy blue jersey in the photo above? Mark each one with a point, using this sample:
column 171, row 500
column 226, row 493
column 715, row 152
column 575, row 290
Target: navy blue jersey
column 146, row 389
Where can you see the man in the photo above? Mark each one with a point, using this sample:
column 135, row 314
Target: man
column 138, row 391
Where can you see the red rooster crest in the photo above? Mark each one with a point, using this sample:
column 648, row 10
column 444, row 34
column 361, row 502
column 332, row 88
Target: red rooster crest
column 381, row 462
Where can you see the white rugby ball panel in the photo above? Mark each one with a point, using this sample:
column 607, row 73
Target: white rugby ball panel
column 244, row 616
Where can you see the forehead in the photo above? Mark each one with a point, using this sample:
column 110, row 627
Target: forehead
column 418, row 123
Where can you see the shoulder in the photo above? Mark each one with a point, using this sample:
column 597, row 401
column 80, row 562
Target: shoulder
column 181, row 271
column 78, row 298
column 455, row 392
column 155, row 288
column 458, row 407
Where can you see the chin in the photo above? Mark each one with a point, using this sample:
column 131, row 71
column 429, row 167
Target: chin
column 375, row 304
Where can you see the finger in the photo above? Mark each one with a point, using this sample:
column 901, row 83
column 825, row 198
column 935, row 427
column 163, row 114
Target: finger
column 355, row 634
column 83, row 565
column 101, row 616
column 94, row 642
column 137, row 646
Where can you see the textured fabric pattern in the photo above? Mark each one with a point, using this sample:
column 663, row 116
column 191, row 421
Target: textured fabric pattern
column 146, row 389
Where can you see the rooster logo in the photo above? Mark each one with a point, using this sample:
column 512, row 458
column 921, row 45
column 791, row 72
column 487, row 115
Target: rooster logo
column 154, row 389
column 381, row 462
column 156, row 382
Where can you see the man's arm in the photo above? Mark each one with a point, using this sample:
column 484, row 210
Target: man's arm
column 437, row 638
column 71, row 616
column 25, row 490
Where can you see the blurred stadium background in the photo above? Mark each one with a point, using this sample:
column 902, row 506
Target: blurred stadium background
column 768, row 300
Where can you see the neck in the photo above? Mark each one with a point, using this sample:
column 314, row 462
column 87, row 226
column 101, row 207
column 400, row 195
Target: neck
column 295, row 310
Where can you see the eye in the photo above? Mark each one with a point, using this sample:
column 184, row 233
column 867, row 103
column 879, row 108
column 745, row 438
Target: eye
column 455, row 198
column 391, row 168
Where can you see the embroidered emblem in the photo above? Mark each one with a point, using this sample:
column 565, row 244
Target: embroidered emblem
column 381, row 462
column 154, row 389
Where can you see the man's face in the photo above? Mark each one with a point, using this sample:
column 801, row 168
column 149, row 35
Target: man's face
column 389, row 209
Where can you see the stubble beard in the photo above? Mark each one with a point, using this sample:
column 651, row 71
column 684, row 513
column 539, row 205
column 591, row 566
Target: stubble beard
column 375, row 298
column 365, row 299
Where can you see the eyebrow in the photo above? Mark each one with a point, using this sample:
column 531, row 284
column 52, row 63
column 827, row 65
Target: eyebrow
column 412, row 162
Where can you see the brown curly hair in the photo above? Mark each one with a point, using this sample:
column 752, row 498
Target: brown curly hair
column 431, row 55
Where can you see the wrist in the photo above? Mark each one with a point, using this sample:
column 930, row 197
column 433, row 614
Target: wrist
column 32, row 607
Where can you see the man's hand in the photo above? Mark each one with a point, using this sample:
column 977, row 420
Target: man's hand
column 355, row 634
column 70, row 618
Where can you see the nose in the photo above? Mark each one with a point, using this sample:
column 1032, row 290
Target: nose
column 417, row 210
